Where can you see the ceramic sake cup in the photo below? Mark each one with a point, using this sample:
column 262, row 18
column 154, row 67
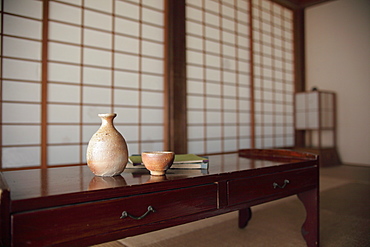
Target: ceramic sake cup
column 158, row 162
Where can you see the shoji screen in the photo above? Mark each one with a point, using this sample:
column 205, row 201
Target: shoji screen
column 21, row 45
column 102, row 56
column 218, row 77
column 273, row 74
column 239, row 73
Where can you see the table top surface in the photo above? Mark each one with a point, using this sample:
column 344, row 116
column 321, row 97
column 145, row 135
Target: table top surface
column 32, row 183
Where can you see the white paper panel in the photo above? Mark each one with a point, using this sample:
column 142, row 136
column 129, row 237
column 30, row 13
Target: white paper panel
column 128, row 62
column 313, row 101
column 152, row 133
column 126, row 97
column 21, row 91
column 97, row 76
column 21, row 135
column 195, row 102
column 126, row 27
column 213, row 117
column 97, row 57
column 24, row 7
column 211, row 6
column 152, row 49
column 21, row 48
column 194, row 57
column 63, row 134
column 64, row 32
column 156, row 4
column 126, row 44
column 21, row 113
column 196, row 147
column 152, row 116
column 194, row 28
column 152, row 16
column 213, row 103
column 130, row 133
column 152, row 81
column 194, row 43
column 152, row 99
column 21, row 70
column 230, row 145
column 88, row 131
column 97, row 95
column 65, row 13
column 126, row 79
column 194, row 72
column 152, row 33
column 193, row 13
column 64, row 53
column 64, row 73
column 57, row 155
column 97, row 20
column 11, row 158
column 63, row 93
column 22, row 27
column 105, row 5
column 74, row 2
column 129, row 10
column 152, row 65
column 127, row 115
column 244, row 143
column 313, row 120
column 90, row 114
column 214, row 146
column 195, row 132
column 63, row 113
column 244, row 117
column 230, row 104
column 213, row 89
column 97, row 39
column 195, row 117
column 230, row 131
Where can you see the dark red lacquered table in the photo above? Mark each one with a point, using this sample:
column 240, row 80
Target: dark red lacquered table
column 69, row 206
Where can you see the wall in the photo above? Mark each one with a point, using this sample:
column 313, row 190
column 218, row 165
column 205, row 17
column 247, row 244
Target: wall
column 338, row 59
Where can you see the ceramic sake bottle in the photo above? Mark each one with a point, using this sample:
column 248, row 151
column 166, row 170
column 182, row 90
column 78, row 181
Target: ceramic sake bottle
column 107, row 153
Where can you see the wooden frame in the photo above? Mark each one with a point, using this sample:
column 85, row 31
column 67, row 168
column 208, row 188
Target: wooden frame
column 175, row 73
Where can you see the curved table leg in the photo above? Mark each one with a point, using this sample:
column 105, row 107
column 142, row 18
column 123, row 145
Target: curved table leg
column 245, row 215
column 310, row 228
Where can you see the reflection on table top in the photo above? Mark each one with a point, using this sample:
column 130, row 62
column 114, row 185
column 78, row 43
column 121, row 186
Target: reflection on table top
column 32, row 183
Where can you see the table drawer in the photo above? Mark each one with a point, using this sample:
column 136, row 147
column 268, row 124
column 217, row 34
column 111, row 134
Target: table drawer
column 249, row 189
column 60, row 224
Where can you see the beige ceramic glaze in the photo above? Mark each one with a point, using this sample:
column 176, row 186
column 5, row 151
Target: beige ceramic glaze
column 107, row 153
column 158, row 162
column 97, row 183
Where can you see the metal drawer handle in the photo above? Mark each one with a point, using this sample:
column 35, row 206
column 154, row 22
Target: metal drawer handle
column 125, row 214
column 286, row 181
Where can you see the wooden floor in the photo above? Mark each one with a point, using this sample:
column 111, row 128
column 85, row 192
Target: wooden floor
column 344, row 219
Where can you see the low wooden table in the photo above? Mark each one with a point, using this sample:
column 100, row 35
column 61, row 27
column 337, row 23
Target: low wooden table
column 69, row 206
